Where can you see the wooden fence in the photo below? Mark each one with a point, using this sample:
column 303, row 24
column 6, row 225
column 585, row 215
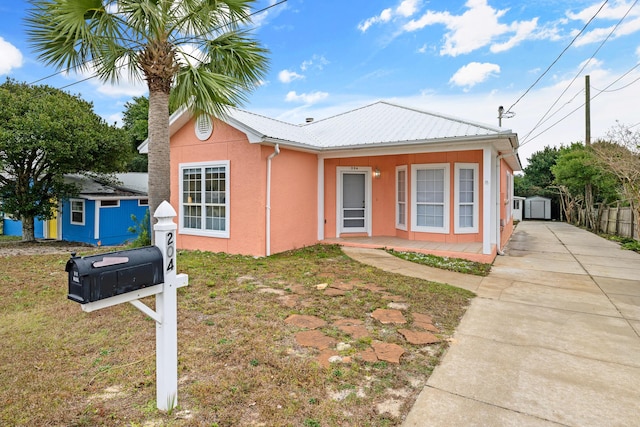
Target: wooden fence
column 615, row 220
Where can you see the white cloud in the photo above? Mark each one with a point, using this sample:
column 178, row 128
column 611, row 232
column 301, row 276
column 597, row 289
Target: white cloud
column 523, row 31
column 126, row 85
column 306, row 98
column 384, row 16
column 612, row 11
column 477, row 27
column 474, row 73
column 408, row 8
column 191, row 54
column 263, row 18
column 316, row 61
column 599, row 34
column 11, row 57
column 286, row 76
column 114, row 118
column 405, row 9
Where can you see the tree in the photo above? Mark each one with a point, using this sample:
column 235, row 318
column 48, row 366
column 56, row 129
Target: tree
column 538, row 175
column 46, row 133
column 136, row 125
column 576, row 168
column 621, row 156
column 194, row 50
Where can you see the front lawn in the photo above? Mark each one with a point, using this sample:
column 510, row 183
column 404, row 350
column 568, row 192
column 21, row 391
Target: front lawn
column 239, row 361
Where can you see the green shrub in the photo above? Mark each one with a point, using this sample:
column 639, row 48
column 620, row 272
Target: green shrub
column 142, row 229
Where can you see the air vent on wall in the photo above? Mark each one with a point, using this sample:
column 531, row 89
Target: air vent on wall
column 204, row 127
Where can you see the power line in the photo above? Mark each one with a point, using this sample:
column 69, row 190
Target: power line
column 582, row 105
column 617, row 89
column 559, row 56
column 546, row 118
column 264, row 9
column 578, row 74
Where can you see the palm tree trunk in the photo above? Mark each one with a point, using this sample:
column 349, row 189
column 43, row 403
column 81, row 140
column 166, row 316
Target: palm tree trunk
column 159, row 163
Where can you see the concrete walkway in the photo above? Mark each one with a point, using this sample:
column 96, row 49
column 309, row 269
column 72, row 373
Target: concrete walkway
column 552, row 339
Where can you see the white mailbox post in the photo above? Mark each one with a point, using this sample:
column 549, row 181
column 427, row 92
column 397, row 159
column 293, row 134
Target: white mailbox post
column 166, row 313
column 166, row 309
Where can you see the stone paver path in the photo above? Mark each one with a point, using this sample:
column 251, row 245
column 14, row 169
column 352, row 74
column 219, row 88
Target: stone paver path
column 419, row 329
column 386, row 316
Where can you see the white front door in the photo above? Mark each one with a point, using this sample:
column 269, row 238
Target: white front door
column 354, row 214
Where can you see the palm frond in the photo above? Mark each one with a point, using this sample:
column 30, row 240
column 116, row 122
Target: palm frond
column 69, row 34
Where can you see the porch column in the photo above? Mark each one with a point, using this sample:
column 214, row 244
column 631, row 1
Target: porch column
column 320, row 198
column 488, row 201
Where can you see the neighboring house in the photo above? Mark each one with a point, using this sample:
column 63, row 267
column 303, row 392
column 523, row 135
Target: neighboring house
column 99, row 215
column 381, row 175
column 518, row 206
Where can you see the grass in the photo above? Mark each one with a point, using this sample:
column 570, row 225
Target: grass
column 625, row 242
column 238, row 362
column 446, row 263
column 4, row 238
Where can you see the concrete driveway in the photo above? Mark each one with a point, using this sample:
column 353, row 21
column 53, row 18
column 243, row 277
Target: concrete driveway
column 552, row 339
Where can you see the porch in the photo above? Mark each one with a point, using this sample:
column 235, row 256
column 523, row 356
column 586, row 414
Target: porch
column 470, row 251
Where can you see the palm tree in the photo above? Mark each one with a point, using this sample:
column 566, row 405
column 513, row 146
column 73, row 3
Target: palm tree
column 194, row 51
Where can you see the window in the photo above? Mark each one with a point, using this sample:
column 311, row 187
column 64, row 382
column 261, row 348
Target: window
column 204, row 201
column 143, row 202
column 109, row 203
column 401, row 197
column 466, row 198
column 516, row 204
column 77, row 211
column 430, row 198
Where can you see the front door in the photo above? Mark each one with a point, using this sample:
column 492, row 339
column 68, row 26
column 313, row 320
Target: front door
column 354, row 200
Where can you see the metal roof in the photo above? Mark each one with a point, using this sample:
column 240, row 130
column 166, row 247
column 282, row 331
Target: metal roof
column 129, row 184
column 381, row 122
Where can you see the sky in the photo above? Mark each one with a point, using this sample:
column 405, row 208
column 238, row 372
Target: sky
column 459, row 58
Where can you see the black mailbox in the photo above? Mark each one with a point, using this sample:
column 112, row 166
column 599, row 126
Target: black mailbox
column 96, row 277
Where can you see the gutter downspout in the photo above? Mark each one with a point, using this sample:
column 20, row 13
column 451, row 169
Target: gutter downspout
column 498, row 231
column 268, row 213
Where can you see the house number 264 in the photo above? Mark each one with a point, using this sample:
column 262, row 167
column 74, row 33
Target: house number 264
column 170, row 251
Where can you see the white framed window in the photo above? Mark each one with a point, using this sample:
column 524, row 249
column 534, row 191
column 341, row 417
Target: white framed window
column 204, row 199
column 143, row 202
column 466, row 198
column 109, row 203
column 77, row 211
column 430, row 198
column 401, row 197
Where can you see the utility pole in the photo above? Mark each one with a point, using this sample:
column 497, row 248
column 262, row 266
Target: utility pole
column 587, row 110
column 588, row 191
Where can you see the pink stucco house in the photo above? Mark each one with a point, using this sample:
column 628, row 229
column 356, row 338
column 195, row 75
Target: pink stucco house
column 380, row 175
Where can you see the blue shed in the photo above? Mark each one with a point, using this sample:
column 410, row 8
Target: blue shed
column 99, row 215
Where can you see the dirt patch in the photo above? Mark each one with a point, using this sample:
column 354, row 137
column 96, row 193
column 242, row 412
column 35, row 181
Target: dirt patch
column 43, row 247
